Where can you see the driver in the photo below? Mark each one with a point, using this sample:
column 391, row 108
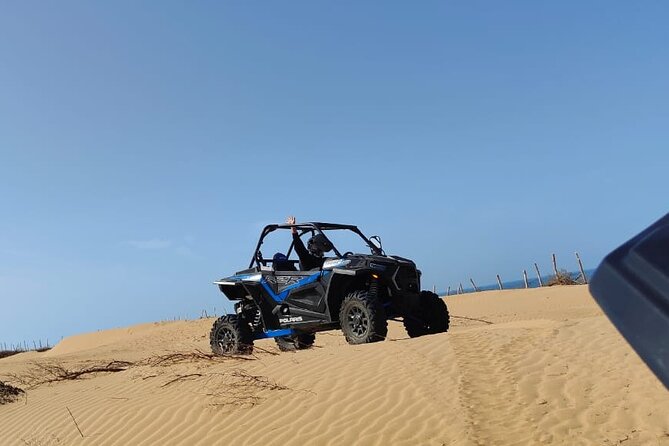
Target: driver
column 311, row 257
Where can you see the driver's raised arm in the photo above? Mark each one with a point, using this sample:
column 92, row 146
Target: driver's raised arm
column 306, row 259
column 311, row 257
column 300, row 249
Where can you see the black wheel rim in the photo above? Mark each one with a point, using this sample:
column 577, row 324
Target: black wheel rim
column 358, row 322
column 226, row 339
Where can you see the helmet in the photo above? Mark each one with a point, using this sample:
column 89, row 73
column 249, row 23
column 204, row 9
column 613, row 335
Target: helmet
column 281, row 263
column 279, row 257
column 319, row 245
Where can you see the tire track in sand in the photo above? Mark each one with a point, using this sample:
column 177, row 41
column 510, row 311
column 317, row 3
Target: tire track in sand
column 495, row 411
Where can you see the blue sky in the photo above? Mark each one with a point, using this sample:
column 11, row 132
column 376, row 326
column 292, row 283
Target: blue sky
column 143, row 146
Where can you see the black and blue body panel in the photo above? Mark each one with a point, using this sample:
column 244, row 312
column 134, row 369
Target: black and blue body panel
column 282, row 303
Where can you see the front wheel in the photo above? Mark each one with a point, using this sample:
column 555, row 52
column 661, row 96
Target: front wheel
column 362, row 318
column 231, row 335
column 431, row 316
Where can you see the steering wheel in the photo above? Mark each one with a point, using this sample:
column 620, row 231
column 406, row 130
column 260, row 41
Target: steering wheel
column 347, row 253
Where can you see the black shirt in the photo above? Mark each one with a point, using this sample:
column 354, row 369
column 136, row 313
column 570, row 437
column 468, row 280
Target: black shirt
column 307, row 259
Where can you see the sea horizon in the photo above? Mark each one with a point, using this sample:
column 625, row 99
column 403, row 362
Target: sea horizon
column 514, row 284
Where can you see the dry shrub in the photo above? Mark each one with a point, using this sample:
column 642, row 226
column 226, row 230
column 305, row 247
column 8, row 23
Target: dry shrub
column 236, row 388
column 49, row 373
column 562, row 278
column 240, row 388
column 190, row 357
column 9, row 393
column 197, row 355
column 8, row 353
column 14, row 350
column 245, row 379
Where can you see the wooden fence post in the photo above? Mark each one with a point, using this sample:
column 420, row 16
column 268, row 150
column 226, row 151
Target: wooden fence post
column 541, row 283
column 474, row 285
column 580, row 266
column 499, row 282
column 461, row 290
column 525, row 279
column 555, row 270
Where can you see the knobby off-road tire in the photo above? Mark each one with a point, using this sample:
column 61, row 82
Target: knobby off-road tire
column 295, row 342
column 432, row 316
column 231, row 335
column 362, row 318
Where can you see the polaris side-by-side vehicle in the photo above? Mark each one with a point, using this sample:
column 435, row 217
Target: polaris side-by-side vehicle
column 276, row 298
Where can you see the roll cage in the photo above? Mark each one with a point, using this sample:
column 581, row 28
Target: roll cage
column 303, row 228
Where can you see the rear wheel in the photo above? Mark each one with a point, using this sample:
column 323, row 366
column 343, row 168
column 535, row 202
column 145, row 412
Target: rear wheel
column 295, row 342
column 362, row 318
column 430, row 318
column 231, row 335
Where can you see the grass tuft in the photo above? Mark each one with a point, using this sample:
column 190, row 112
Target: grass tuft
column 562, row 278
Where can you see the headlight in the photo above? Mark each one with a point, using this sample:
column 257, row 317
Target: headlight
column 335, row 263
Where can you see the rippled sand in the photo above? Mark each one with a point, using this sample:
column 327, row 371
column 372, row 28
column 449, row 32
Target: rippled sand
column 539, row 366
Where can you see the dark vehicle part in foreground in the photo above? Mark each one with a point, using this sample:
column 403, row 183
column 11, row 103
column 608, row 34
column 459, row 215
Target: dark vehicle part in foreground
column 632, row 287
column 357, row 293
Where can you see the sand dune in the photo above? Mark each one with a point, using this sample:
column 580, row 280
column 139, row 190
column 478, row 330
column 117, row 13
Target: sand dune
column 540, row 366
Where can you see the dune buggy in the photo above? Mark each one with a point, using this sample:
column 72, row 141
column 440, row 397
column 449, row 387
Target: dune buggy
column 356, row 292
